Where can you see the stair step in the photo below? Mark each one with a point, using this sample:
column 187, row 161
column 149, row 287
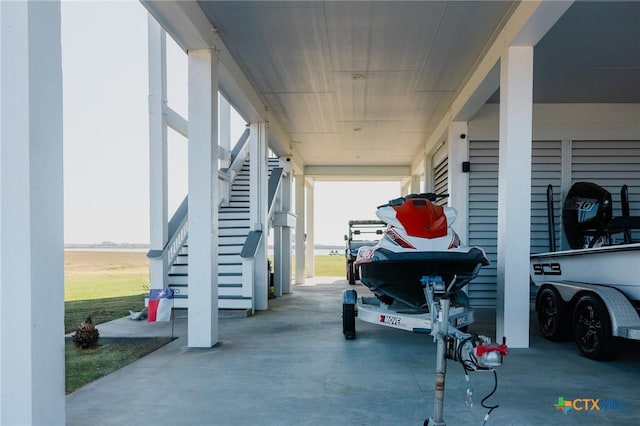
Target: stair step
column 176, row 279
column 223, row 303
column 230, row 269
column 224, row 291
column 178, row 269
column 234, row 230
column 225, row 240
column 229, row 210
column 233, row 216
column 233, row 223
column 230, row 249
column 183, row 270
column 235, row 303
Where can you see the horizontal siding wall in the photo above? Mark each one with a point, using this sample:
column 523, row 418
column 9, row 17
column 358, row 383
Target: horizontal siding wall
column 483, row 217
column 546, row 169
column 441, row 179
column 483, row 207
column 609, row 164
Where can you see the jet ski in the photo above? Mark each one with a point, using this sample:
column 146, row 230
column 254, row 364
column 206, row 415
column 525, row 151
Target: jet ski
column 418, row 242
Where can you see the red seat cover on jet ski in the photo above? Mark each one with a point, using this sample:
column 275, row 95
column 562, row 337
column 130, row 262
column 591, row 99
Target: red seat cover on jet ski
column 421, row 218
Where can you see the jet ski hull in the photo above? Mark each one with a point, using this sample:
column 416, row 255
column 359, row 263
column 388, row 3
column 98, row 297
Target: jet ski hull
column 397, row 275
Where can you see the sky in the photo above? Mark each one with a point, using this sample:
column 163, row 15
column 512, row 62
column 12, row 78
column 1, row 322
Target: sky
column 106, row 154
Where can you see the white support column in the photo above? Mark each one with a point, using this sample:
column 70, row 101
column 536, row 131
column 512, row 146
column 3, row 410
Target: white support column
column 428, row 173
column 158, row 174
column 258, row 177
column 203, row 196
column 283, row 220
column 405, row 185
column 300, row 230
column 32, row 360
column 285, row 263
column 514, row 195
column 458, row 181
column 310, row 263
column 415, row 184
column 225, row 131
column 278, row 253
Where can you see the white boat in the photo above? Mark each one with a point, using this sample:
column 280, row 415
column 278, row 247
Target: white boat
column 592, row 291
column 615, row 266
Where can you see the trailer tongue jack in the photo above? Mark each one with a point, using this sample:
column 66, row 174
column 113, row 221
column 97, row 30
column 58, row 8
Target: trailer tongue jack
column 473, row 352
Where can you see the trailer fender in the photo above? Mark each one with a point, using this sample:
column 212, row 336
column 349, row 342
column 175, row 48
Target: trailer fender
column 349, row 297
column 621, row 312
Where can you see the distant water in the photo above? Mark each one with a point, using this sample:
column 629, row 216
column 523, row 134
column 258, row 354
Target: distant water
column 316, row 252
column 108, row 249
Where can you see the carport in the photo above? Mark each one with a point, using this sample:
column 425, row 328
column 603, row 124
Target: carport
column 526, row 93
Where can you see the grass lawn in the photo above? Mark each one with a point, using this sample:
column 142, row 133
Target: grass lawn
column 98, row 275
column 86, row 365
column 330, row 266
column 107, row 285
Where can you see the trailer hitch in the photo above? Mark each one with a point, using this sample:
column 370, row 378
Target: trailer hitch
column 472, row 351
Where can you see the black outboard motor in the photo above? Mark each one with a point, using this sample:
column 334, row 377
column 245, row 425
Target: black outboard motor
column 586, row 213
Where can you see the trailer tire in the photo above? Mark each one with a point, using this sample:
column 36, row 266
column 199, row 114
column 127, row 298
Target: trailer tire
column 349, row 321
column 351, row 276
column 554, row 321
column 592, row 329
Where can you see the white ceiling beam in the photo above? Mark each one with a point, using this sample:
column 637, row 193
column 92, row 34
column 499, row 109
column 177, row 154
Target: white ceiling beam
column 527, row 25
column 357, row 172
column 187, row 24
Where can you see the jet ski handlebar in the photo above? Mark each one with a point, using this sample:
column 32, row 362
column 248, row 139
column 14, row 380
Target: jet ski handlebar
column 427, row 195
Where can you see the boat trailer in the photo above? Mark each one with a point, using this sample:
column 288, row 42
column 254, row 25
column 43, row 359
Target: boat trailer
column 444, row 323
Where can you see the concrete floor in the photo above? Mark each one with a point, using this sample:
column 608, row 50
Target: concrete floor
column 291, row 366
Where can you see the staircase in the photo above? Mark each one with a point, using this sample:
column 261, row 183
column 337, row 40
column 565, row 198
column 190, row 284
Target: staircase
column 233, row 227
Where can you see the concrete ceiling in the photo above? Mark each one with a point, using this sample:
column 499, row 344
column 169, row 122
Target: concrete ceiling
column 366, row 83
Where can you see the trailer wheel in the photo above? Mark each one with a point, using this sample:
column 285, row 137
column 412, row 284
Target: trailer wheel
column 350, row 273
column 349, row 321
column 553, row 318
column 592, row 329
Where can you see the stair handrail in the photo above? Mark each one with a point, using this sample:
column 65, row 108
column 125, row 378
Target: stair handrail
column 251, row 245
column 238, row 155
column 275, row 178
column 177, row 227
column 177, row 231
